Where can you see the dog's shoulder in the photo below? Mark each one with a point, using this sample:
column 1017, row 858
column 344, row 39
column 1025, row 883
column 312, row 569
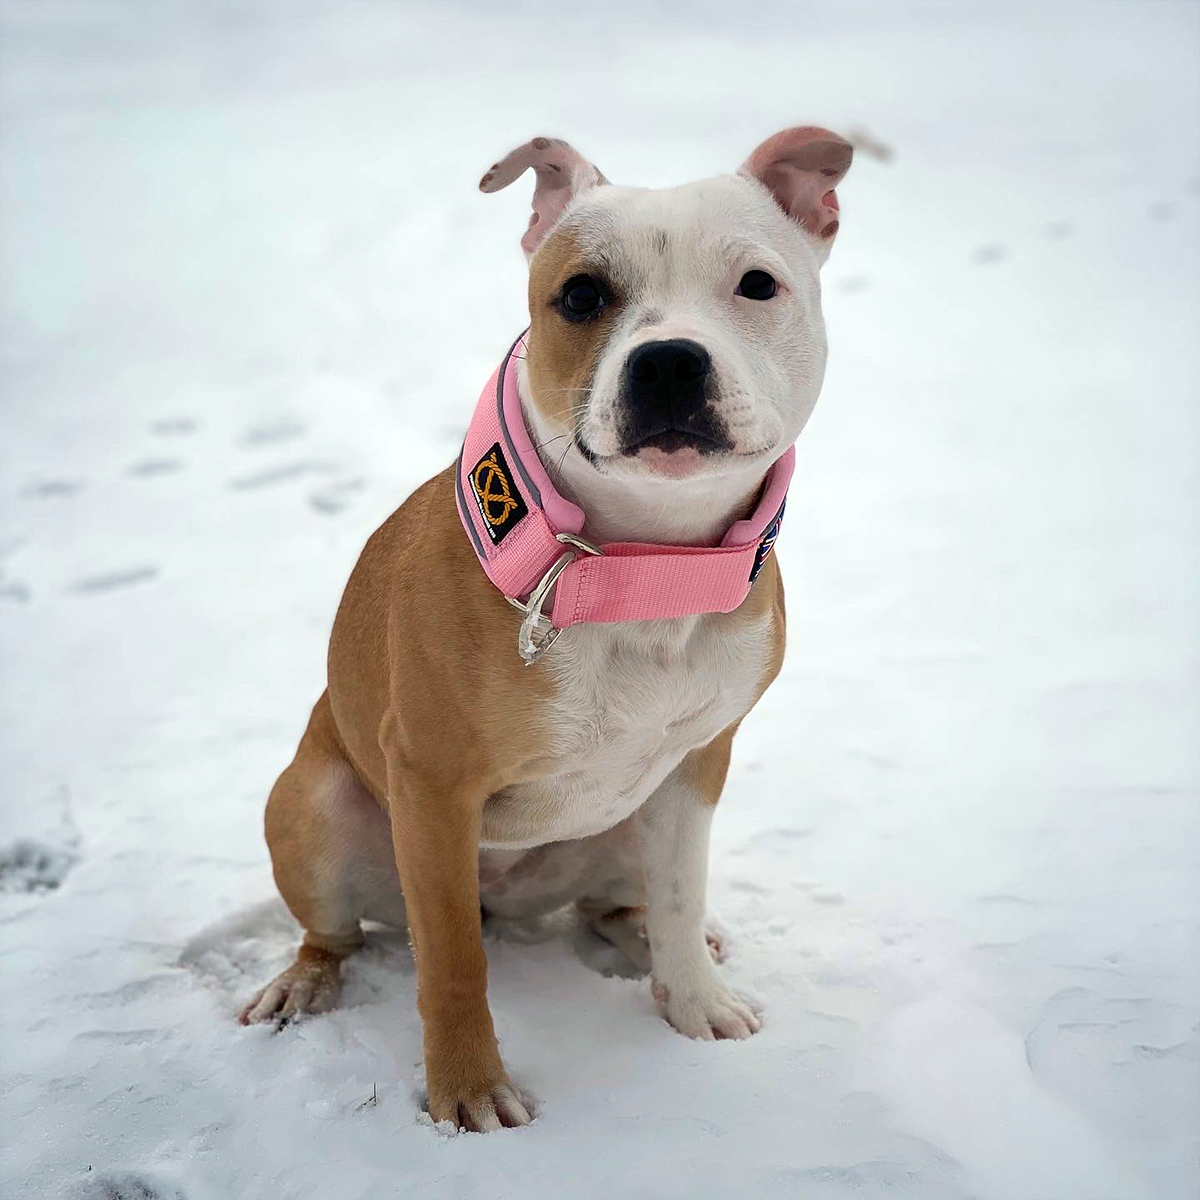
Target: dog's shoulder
column 424, row 646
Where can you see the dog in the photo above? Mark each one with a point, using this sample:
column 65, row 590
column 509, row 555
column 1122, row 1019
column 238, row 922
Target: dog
column 621, row 487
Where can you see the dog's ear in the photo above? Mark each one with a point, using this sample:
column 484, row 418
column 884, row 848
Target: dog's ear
column 800, row 167
column 562, row 174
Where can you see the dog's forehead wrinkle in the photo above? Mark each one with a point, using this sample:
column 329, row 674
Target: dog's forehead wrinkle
column 737, row 246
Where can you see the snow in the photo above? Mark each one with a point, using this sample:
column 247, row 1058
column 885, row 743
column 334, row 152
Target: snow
column 249, row 295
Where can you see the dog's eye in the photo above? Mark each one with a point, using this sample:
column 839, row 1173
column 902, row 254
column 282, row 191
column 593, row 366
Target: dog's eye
column 581, row 298
column 756, row 285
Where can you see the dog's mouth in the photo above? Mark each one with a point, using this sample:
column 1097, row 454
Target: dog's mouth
column 671, row 432
column 675, row 453
column 666, row 447
column 672, row 441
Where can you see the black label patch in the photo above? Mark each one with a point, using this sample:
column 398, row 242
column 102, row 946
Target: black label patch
column 768, row 543
column 500, row 503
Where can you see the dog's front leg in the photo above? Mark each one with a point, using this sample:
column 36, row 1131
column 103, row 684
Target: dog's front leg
column 674, row 824
column 435, row 832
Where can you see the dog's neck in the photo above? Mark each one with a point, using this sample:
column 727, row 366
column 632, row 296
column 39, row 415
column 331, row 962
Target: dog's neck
column 677, row 512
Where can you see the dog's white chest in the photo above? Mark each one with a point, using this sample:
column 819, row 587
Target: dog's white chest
column 632, row 700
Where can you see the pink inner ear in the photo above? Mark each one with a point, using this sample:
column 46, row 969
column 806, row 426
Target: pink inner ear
column 798, row 167
column 549, row 203
column 562, row 174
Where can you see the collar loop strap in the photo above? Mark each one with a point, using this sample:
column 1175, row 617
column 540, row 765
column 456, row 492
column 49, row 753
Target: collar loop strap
column 537, row 633
column 529, row 537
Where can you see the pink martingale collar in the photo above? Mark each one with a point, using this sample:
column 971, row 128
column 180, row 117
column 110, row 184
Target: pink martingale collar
column 529, row 538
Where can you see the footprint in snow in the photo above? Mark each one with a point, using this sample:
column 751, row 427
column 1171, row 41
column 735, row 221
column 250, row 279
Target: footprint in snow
column 112, row 580
column 874, row 1177
column 148, row 468
column 748, row 885
column 13, row 589
column 280, row 474
column 124, row 1186
column 173, row 426
column 1004, row 898
column 774, row 840
column 990, row 254
column 48, row 489
column 1162, row 211
column 334, row 498
column 1056, row 231
column 33, row 867
column 269, row 433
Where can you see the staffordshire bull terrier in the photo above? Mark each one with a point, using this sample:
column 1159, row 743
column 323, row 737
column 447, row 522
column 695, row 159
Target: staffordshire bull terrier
column 542, row 657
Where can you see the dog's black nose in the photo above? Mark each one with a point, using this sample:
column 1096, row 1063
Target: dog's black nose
column 668, row 376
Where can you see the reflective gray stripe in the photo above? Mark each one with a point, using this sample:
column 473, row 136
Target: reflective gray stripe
column 464, row 511
column 537, row 498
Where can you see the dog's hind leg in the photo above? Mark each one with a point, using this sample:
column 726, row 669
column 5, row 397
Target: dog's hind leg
column 612, row 898
column 330, row 846
column 602, row 874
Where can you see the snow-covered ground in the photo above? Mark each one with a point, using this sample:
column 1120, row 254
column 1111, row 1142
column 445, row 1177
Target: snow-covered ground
column 249, row 295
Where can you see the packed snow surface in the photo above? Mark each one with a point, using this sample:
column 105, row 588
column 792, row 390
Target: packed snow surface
column 250, row 293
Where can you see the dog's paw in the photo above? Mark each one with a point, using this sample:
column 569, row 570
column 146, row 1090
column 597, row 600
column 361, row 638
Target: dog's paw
column 312, row 984
column 708, row 1011
column 498, row 1107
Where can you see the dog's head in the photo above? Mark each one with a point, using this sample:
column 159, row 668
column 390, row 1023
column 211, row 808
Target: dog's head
column 677, row 332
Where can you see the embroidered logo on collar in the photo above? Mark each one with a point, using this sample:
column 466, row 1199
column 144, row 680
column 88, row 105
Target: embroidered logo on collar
column 767, row 544
column 500, row 503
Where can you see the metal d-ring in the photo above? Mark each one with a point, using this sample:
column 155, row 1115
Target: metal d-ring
column 573, row 539
column 537, row 634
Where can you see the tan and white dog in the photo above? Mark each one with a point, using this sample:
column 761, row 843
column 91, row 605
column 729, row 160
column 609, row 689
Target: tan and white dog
column 676, row 349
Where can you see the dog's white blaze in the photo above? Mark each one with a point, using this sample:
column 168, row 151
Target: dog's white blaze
column 631, row 701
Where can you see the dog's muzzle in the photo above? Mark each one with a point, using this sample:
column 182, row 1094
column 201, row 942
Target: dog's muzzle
column 667, row 393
